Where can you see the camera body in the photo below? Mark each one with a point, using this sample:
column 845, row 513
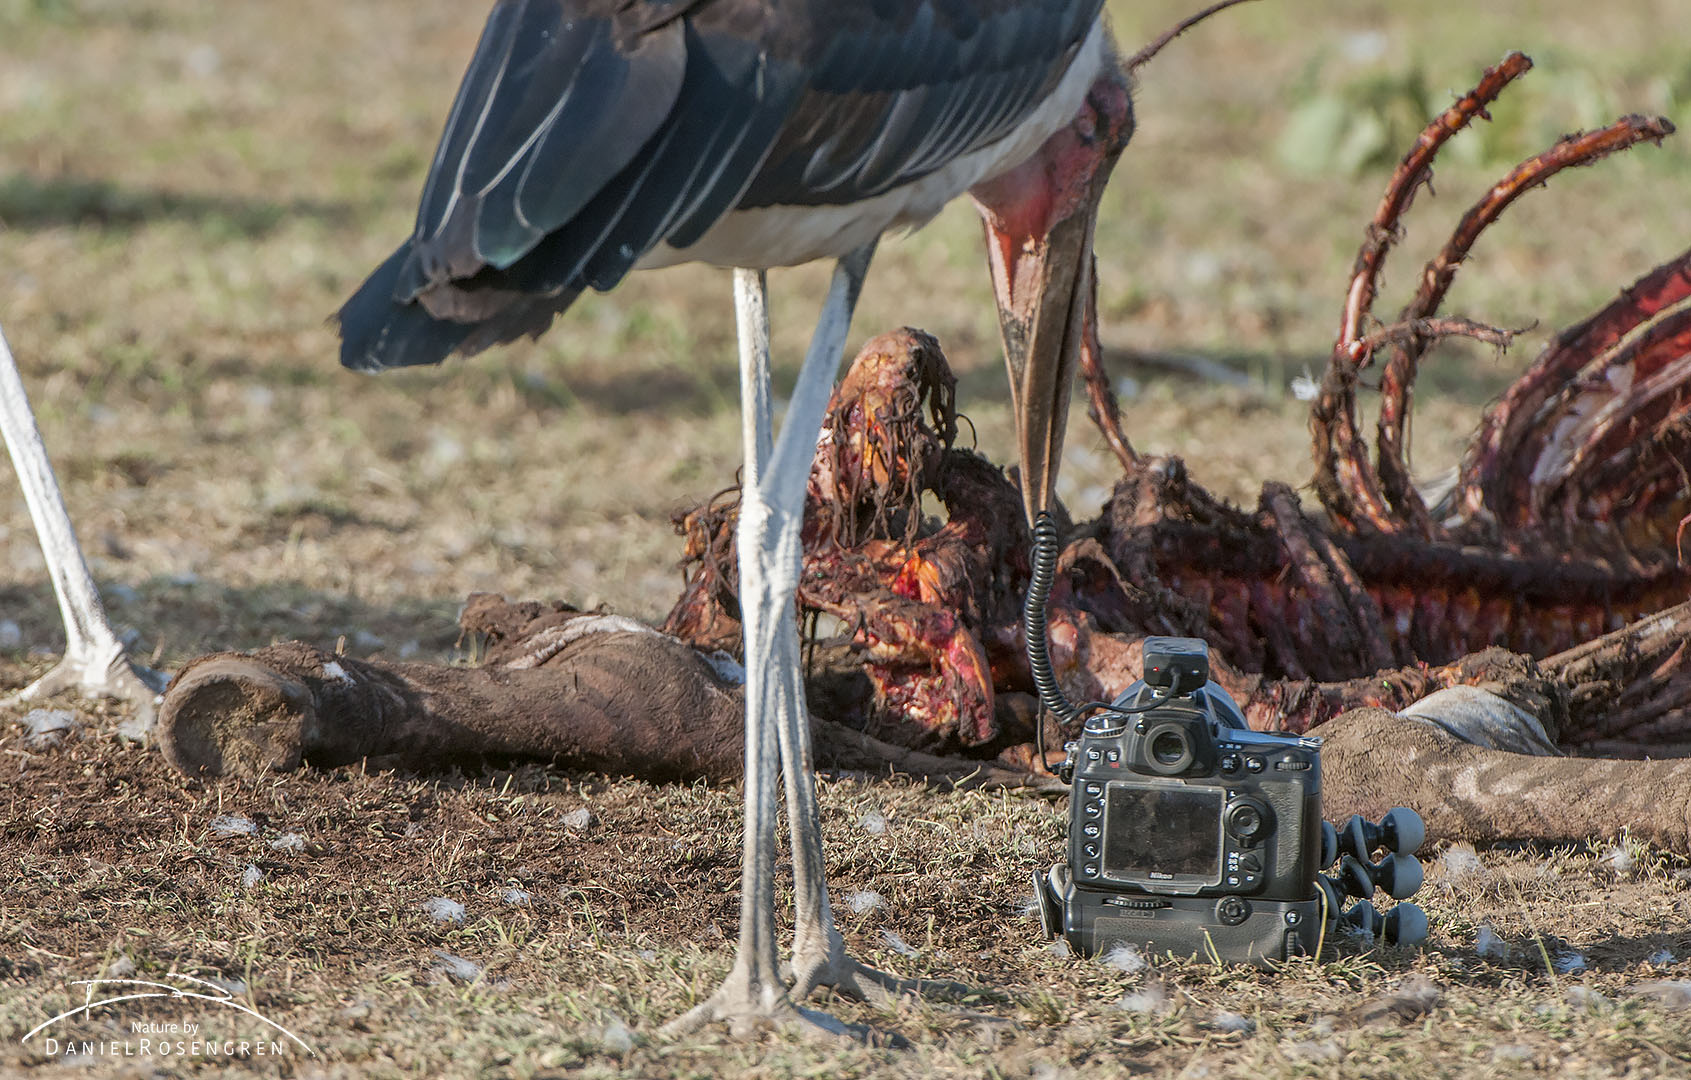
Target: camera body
column 1188, row 832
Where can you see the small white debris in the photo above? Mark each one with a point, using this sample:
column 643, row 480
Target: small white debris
column 11, row 635
column 442, row 910
column 577, row 819
column 1125, row 958
column 1618, row 861
column 291, row 841
column 616, row 1039
column 1305, row 388
column 873, row 822
column 898, row 944
column 1487, row 944
column 258, row 397
column 1152, row 998
column 444, row 450
column 121, row 968
column 251, row 877
column 410, row 649
column 859, row 902
column 455, row 968
column 1364, row 46
column 1460, row 862
column 1669, row 993
column 648, row 955
column 334, row 671
column 1232, row 1022
column 233, row 825
column 1313, row 1050
column 1512, row 1052
column 1585, row 998
column 365, row 641
column 1060, row 948
column 515, row 897
column 1203, row 267
column 232, row 987
column 1660, row 958
column 1569, row 963
column 204, row 61
column 47, row 727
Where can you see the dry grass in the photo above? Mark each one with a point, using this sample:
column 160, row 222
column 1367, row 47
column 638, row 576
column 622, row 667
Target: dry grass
column 188, row 190
column 630, row 907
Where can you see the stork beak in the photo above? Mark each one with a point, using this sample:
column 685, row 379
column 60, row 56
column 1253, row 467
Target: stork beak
column 1039, row 221
column 1045, row 293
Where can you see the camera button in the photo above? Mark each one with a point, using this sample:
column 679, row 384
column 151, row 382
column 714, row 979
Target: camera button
column 1089, row 850
column 1255, row 764
column 1232, row 910
column 1229, row 763
column 1092, row 809
column 1090, row 830
column 1291, row 766
column 1089, row 870
column 1095, row 789
column 1113, row 756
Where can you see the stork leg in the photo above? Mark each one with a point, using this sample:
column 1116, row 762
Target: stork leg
column 777, row 724
column 95, row 661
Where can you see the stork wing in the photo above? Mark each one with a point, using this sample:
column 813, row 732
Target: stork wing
column 586, row 132
column 892, row 99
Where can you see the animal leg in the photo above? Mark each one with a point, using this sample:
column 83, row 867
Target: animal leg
column 819, row 956
column 771, row 513
column 94, row 659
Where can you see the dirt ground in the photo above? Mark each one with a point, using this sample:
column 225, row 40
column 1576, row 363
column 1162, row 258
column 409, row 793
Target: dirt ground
column 592, row 910
column 188, row 190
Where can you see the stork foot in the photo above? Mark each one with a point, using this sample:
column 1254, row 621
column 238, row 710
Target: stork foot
column 750, row 1011
column 840, row 972
column 102, row 671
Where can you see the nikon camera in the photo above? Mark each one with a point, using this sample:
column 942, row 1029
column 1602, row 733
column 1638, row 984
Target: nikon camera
column 1188, row 832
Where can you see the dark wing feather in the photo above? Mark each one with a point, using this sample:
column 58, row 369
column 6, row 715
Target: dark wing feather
column 587, row 132
column 554, row 105
column 916, row 95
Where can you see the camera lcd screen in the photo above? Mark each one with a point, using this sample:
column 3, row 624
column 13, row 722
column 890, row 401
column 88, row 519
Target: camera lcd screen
column 1162, row 832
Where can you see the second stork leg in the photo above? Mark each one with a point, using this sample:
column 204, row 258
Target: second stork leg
column 777, row 723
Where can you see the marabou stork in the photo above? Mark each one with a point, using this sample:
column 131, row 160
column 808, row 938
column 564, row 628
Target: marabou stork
column 594, row 137
column 95, row 661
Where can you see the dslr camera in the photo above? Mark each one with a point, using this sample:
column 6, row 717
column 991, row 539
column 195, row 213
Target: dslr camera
column 1188, row 832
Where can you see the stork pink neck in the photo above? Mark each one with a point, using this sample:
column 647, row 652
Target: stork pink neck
column 1024, row 205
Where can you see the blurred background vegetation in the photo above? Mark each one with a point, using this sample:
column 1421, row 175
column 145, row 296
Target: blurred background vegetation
column 188, row 190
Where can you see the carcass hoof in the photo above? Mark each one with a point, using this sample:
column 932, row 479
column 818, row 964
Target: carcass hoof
column 230, row 716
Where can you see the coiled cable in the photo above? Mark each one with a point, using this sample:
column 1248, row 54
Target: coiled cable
column 1044, row 559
